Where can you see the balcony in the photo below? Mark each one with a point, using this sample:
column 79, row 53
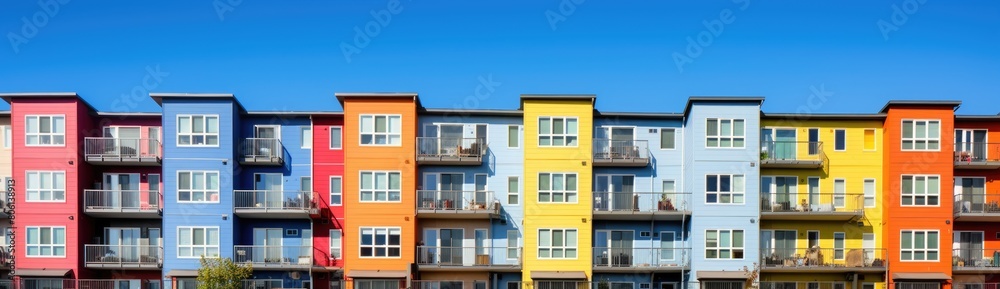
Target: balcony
column 958, row 285
column 645, row 260
column 803, row 285
column 444, row 151
column 464, row 205
column 814, row 207
column 495, row 259
column 273, row 204
column 274, row 257
column 822, row 260
column 122, row 204
column 118, row 257
column 262, row 151
column 116, row 283
column 976, row 261
column 620, row 153
column 4, row 209
column 632, row 206
column 977, row 207
column 5, row 258
column 441, row 284
column 977, row 156
column 791, row 155
column 561, row 284
column 111, row 151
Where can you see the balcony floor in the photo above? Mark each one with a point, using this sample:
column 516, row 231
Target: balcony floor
column 122, row 213
column 809, row 216
column 449, row 160
column 255, row 213
column 625, row 215
column 821, row 269
column 790, row 164
column 640, row 269
column 458, row 214
column 116, row 266
column 262, row 161
column 975, row 270
column 476, row 268
column 984, row 165
column 123, row 161
column 279, row 267
column 977, row 217
column 634, row 162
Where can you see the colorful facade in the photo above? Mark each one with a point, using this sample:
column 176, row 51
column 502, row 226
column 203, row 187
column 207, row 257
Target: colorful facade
column 554, row 194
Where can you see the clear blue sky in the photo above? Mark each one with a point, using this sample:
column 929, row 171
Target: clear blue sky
column 289, row 55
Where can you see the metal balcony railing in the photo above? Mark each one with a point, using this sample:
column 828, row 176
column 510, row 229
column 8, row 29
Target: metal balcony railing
column 918, row 285
column 116, row 283
column 261, row 150
column 273, row 255
column 967, row 285
column 974, row 203
column 122, row 200
column 640, row 202
column 437, row 284
column 46, row 283
column 791, row 151
column 972, row 152
column 802, row 285
column 263, row 284
column 266, row 200
column 5, row 257
column 469, row 256
column 641, row 257
column 563, row 285
column 976, row 258
column 805, row 203
column 620, row 151
column 439, row 200
column 123, row 255
column 806, row 258
column 121, row 148
column 436, row 147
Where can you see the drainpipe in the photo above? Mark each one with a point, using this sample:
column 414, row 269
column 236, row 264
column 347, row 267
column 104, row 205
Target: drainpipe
column 683, row 127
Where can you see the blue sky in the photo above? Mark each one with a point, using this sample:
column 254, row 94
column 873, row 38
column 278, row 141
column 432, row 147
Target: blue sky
column 289, row 55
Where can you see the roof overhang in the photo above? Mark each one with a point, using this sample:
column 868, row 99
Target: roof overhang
column 9, row 97
column 369, row 274
column 954, row 104
column 734, row 99
column 159, row 97
column 822, row 116
column 535, row 275
column 42, row 272
column 707, row 275
column 592, row 98
column 342, row 96
column 921, row 276
column 182, row 273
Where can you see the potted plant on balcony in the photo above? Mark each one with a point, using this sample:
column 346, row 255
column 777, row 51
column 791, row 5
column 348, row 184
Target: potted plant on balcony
column 665, row 204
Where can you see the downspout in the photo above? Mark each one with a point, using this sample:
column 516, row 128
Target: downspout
column 312, row 222
column 652, row 221
column 683, row 127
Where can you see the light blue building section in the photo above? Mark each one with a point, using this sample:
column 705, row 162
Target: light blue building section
column 700, row 161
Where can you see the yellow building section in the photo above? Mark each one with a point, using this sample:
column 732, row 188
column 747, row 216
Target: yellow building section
column 558, row 132
column 822, row 281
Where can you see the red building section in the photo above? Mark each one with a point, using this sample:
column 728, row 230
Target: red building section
column 328, row 170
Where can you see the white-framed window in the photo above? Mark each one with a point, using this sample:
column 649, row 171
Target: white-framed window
column 667, row 246
column 197, row 186
column 668, row 138
column 557, row 131
column 336, row 243
column 557, row 188
column 197, row 130
column 336, row 190
column 194, row 242
column 557, row 244
column 513, row 136
column 839, row 193
column 379, row 186
column 8, row 136
column 336, row 137
column 725, row 133
column 838, row 245
column 380, row 242
column 840, row 140
column 920, row 190
column 724, row 189
column 724, row 244
column 513, row 190
column 381, row 130
column 46, row 186
column 921, row 135
column 869, row 189
column 45, row 130
column 918, row 245
column 306, row 184
column 513, row 245
column 46, row 241
column 306, row 137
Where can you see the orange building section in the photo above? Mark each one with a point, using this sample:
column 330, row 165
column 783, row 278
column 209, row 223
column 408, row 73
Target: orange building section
column 384, row 158
column 898, row 218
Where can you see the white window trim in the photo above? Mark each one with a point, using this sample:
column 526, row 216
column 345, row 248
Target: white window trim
column 673, row 248
column 565, row 119
column 177, row 243
column 8, row 136
column 386, row 246
column 65, row 189
column 731, row 249
column 835, row 139
column 330, row 193
column 341, row 240
column 843, row 249
column 874, row 140
column 915, row 139
column 302, row 132
column 65, row 127
column 208, row 197
column 875, row 197
column 743, row 190
column 925, row 250
column 387, row 134
column 206, row 134
column 516, row 247
column 731, row 136
column 277, row 130
column 53, row 245
column 330, row 137
column 387, row 199
column 660, row 135
column 564, row 191
column 520, row 136
column 913, row 195
column 517, row 192
column 835, row 194
column 575, row 246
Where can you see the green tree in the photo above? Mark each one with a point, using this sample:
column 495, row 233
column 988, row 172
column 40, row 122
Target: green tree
column 222, row 273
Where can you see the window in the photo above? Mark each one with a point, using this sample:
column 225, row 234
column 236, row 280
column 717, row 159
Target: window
column 194, row 242
column 513, row 190
column 666, row 246
column 667, row 136
column 307, row 137
column 336, row 137
column 335, row 244
column 381, row 130
column 724, row 244
column 380, row 187
column 336, row 191
column 921, row 135
column 187, row 283
column 513, row 136
column 920, row 190
column 197, row 130
column 839, row 140
column 869, row 193
column 725, row 133
column 197, row 187
column 44, row 186
column 556, row 188
column 669, row 187
column 45, row 130
column 380, row 242
column 724, row 189
column 557, row 131
column 839, row 193
column 919, row 245
column 870, row 139
column 838, row 245
column 513, row 245
column 306, row 184
column 378, row 284
column 46, row 242
column 556, row 243
column 813, row 141
column 8, row 136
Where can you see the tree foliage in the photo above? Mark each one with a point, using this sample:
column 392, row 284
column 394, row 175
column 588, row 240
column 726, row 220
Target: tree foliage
column 222, row 273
